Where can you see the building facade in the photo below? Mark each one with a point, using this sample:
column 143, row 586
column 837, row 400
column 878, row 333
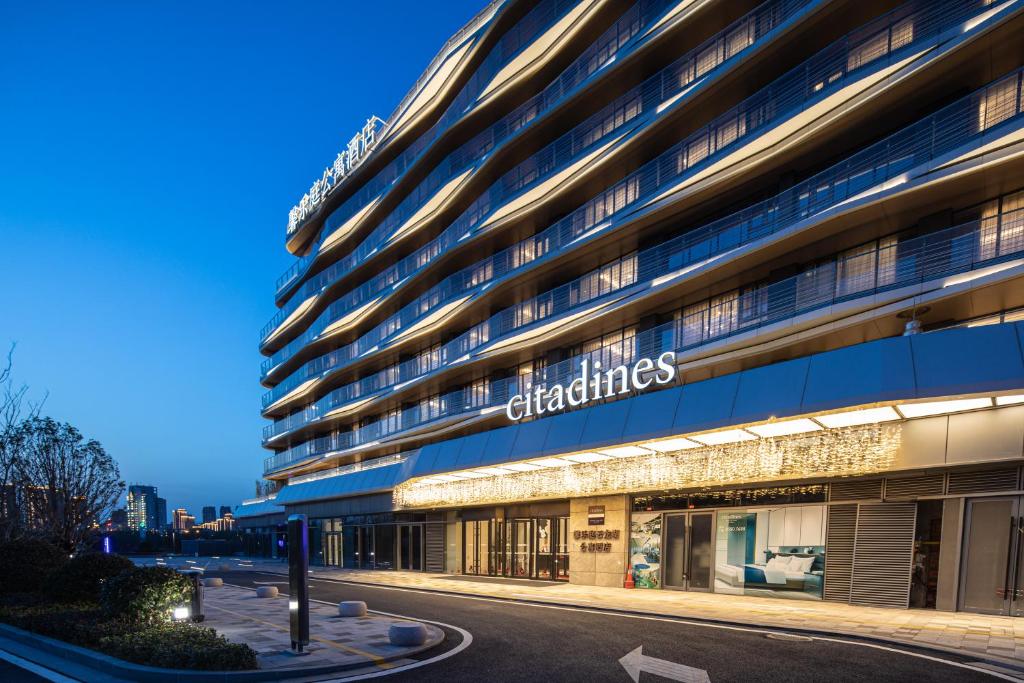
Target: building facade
column 693, row 295
column 142, row 508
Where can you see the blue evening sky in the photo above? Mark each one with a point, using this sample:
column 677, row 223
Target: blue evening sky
column 149, row 153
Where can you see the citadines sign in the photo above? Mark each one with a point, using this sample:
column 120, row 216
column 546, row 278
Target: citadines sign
column 593, row 384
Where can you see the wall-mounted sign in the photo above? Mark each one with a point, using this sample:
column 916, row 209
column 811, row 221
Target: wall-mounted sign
column 348, row 159
column 593, row 384
column 587, row 537
column 595, row 515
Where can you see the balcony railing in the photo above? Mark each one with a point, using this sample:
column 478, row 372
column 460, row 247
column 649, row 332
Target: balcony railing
column 643, row 99
column 465, row 157
column 530, row 26
column 883, row 266
column 885, row 159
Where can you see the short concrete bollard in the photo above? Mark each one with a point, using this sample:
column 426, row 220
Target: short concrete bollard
column 213, row 582
column 407, row 633
column 352, row 608
column 266, row 592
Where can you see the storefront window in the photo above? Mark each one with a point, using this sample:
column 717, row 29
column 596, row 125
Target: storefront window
column 771, row 552
column 645, row 549
column 535, row 548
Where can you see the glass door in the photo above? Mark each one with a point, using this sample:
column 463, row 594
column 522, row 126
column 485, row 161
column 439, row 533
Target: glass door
column 544, row 564
column 562, row 549
column 332, row 548
column 991, row 581
column 687, row 541
column 521, row 542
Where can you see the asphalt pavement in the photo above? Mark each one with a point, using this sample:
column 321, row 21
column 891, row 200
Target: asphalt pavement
column 514, row 641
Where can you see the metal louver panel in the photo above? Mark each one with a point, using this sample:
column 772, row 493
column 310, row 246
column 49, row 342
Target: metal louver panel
column 839, row 538
column 856, row 489
column 434, row 561
column 915, row 487
column 984, row 481
column 883, row 553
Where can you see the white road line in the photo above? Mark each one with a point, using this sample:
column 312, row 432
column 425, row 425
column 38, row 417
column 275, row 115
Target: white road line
column 467, row 640
column 38, row 670
column 681, row 620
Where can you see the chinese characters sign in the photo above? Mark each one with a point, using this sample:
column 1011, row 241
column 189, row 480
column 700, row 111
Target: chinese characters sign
column 359, row 147
column 586, row 537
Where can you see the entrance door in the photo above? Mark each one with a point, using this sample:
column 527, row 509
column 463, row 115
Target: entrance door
column 991, row 578
column 332, row 544
column 689, row 550
column 410, row 547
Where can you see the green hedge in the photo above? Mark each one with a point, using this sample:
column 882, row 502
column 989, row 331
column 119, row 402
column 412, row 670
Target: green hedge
column 145, row 595
column 26, row 564
column 175, row 645
column 80, row 579
column 180, row 646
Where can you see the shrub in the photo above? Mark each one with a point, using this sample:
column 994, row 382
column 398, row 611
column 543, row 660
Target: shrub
column 145, row 595
column 26, row 564
column 180, row 646
column 80, row 578
column 79, row 624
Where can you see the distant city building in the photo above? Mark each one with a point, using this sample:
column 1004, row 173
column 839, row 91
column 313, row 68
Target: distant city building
column 161, row 513
column 142, row 507
column 209, row 514
column 225, row 510
column 118, row 520
column 225, row 523
column 182, row 520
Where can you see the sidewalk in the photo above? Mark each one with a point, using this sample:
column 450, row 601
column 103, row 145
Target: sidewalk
column 1000, row 639
column 345, row 643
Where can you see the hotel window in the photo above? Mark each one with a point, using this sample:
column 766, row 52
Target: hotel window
column 481, row 272
column 815, row 286
column 1001, row 228
column 729, row 131
column 999, row 102
column 892, row 38
column 739, row 38
column 866, row 267
column 605, row 125
column 605, row 204
column 478, row 334
column 708, row 59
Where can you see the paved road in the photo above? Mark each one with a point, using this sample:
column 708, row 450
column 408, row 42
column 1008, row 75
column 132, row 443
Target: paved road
column 521, row 642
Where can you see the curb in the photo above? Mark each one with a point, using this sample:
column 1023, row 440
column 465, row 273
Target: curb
column 993, row 660
column 37, row 645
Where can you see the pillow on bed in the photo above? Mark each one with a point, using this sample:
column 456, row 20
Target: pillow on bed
column 778, row 563
column 801, row 564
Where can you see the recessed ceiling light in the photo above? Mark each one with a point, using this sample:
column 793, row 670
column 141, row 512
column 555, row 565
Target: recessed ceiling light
column 853, row 418
column 1009, row 400
column 472, row 474
column 669, row 445
column 723, row 437
column 586, row 457
column 552, row 462
column 626, row 451
column 523, row 467
column 489, row 471
column 943, row 407
column 785, row 428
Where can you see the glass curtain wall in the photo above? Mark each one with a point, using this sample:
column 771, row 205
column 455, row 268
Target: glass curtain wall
column 526, row 548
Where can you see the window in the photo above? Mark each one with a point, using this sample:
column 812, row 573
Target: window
column 998, row 103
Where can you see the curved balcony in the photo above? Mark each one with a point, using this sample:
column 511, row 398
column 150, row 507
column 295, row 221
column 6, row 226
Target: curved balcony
column 545, row 16
column 554, row 158
column 615, row 43
column 656, row 178
column 983, row 118
column 888, row 266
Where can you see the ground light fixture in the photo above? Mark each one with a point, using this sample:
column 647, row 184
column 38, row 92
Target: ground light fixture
column 181, row 613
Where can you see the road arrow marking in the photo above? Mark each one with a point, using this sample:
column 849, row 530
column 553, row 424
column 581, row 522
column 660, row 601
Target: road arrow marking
column 636, row 661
